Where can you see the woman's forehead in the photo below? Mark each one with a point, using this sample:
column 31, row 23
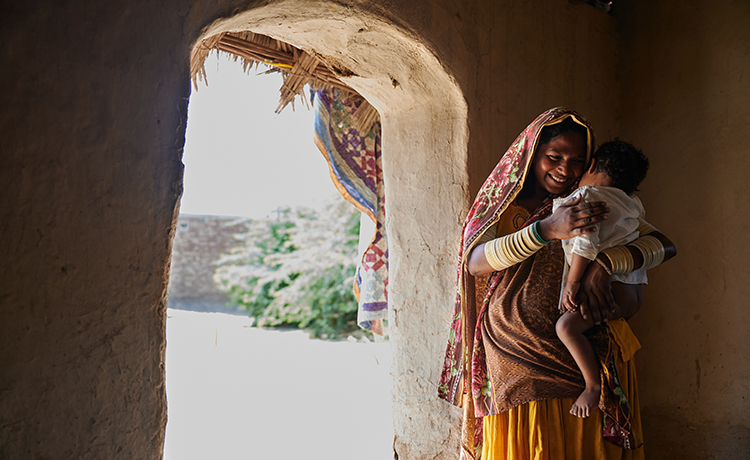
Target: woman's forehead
column 570, row 141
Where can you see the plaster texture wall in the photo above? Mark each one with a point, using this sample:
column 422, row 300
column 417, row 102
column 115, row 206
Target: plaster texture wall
column 531, row 56
column 686, row 103
column 92, row 122
column 92, row 126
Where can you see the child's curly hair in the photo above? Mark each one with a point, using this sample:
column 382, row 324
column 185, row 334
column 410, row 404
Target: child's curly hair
column 623, row 163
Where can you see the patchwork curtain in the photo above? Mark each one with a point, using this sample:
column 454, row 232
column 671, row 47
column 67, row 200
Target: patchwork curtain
column 354, row 162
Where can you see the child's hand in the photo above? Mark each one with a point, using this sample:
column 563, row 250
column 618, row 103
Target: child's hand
column 570, row 294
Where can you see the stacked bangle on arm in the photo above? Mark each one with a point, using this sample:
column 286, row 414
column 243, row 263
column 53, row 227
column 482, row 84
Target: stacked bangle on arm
column 620, row 259
column 644, row 228
column 537, row 235
column 652, row 250
column 512, row 249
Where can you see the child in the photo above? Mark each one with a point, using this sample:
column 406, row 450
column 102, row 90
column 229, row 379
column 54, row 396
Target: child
column 615, row 172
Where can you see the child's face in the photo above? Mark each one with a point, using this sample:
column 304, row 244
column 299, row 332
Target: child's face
column 593, row 178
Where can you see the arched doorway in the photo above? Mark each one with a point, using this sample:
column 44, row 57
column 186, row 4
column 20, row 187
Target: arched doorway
column 425, row 134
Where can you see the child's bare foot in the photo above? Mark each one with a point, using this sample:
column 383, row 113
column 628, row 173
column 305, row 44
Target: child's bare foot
column 586, row 403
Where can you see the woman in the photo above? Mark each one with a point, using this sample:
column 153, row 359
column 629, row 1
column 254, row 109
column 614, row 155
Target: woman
column 504, row 363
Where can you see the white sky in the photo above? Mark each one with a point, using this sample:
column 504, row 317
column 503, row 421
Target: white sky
column 241, row 159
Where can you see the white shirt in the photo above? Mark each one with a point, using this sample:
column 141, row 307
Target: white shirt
column 620, row 228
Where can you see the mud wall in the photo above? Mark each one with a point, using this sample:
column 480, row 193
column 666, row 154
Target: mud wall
column 92, row 126
column 685, row 102
column 92, row 122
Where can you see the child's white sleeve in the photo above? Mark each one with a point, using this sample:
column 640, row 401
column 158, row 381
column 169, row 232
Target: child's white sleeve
column 587, row 245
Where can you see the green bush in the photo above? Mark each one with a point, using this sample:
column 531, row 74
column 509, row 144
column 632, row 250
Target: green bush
column 297, row 269
column 333, row 307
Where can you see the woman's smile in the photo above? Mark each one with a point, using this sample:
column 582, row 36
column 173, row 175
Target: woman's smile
column 559, row 182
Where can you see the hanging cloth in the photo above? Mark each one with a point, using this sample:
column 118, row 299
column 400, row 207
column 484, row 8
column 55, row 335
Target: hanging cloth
column 354, row 162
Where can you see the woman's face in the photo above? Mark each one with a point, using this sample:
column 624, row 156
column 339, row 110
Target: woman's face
column 558, row 164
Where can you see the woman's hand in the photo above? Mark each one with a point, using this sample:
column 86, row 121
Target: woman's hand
column 573, row 219
column 595, row 295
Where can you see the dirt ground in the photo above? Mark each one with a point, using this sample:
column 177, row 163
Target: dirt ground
column 238, row 392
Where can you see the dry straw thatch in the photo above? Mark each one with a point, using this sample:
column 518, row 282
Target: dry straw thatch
column 296, row 66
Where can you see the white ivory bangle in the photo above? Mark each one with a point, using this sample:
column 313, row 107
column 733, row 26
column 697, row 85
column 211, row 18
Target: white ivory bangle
column 512, row 249
column 652, row 250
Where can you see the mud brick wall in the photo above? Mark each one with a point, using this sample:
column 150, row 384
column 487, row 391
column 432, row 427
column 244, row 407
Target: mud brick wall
column 198, row 243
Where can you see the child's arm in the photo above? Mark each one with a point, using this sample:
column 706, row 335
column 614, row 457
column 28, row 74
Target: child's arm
column 578, row 265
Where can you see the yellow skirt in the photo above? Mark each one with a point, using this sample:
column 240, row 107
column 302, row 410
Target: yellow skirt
column 544, row 430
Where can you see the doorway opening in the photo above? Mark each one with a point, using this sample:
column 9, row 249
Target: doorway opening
column 230, row 387
column 425, row 137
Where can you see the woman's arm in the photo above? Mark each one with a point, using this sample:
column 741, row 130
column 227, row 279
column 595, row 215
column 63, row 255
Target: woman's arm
column 477, row 263
column 569, row 220
column 595, row 295
column 669, row 251
column 506, row 251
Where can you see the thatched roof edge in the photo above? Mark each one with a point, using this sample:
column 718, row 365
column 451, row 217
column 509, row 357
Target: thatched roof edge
column 298, row 68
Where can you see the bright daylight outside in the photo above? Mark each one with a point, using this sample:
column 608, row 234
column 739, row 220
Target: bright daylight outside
column 264, row 357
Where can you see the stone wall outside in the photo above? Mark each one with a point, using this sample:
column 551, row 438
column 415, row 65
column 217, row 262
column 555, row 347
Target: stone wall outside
column 198, row 244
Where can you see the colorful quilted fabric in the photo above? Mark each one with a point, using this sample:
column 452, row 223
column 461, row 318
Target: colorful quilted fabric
column 354, row 161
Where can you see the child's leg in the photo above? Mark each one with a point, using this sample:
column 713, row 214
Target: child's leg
column 570, row 328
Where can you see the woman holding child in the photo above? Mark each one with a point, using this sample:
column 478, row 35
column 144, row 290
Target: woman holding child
column 516, row 380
